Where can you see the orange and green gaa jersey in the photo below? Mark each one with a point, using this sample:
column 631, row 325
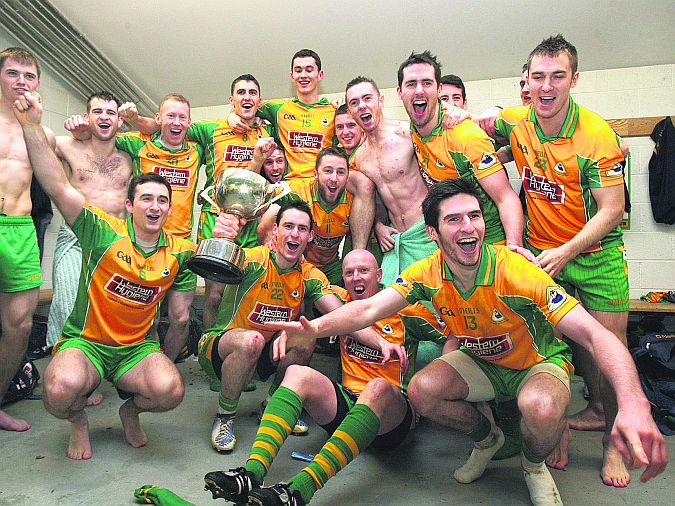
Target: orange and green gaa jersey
column 331, row 224
column 121, row 286
column 361, row 363
column 180, row 167
column 461, row 151
column 302, row 129
column 224, row 148
column 268, row 293
column 506, row 318
column 559, row 172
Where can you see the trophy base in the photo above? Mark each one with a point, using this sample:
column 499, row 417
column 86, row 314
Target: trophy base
column 216, row 269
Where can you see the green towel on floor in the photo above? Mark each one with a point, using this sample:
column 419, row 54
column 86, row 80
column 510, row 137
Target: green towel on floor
column 152, row 494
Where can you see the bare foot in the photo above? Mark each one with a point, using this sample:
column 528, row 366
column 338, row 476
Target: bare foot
column 79, row 447
column 614, row 472
column 133, row 432
column 15, row 424
column 559, row 458
column 95, row 399
column 590, row 418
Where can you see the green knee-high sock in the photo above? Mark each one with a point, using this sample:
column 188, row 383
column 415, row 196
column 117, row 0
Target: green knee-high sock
column 352, row 436
column 508, row 419
column 277, row 422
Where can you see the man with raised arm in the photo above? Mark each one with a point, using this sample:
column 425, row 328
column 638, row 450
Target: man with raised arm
column 369, row 406
column 20, row 276
column 101, row 173
column 304, row 125
column 274, row 286
column 502, row 309
column 130, row 266
column 224, row 148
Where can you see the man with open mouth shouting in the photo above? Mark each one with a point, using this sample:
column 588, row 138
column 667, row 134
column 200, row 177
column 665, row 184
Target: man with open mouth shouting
column 502, row 310
column 275, row 283
column 129, row 265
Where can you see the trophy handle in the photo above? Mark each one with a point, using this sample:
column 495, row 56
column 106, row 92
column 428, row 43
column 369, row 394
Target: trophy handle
column 205, row 195
column 285, row 190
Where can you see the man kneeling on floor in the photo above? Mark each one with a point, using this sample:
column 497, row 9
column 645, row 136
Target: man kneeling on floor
column 501, row 308
column 274, row 286
column 369, row 407
column 128, row 266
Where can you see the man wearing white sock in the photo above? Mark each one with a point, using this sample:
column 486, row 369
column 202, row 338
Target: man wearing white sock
column 502, row 309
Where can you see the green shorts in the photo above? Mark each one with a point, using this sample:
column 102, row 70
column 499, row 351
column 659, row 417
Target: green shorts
column 247, row 238
column 333, row 272
column 111, row 362
column 19, row 254
column 599, row 279
column 489, row 381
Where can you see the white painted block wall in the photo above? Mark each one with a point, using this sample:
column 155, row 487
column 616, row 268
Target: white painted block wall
column 615, row 93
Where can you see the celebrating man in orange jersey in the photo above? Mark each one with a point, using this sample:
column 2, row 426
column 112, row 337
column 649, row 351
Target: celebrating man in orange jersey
column 369, row 407
column 502, row 309
column 130, row 265
column 570, row 161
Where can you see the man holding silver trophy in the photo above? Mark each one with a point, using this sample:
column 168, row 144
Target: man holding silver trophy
column 272, row 288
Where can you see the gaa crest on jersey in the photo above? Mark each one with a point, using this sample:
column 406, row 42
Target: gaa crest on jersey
column 497, row 317
column 400, row 281
column 615, row 171
column 166, row 272
column 487, row 347
column 541, row 185
column 295, row 294
column 174, row 175
column 439, row 164
column 263, row 313
column 555, row 297
column 560, row 168
column 130, row 290
column 324, row 121
column 487, row 160
column 387, row 329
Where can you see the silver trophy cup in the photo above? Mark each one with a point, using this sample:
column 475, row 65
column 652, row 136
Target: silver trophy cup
column 245, row 194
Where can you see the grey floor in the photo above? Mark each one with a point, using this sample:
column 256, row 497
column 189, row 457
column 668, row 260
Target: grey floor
column 35, row 469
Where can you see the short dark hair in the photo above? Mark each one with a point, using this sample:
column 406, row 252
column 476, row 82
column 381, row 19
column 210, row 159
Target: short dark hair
column 359, row 80
column 299, row 205
column 423, row 57
column 334, row 151
column 21, row 55
column 553, row 46
column 174, row 96
column 307, row 53
column 525, row 67
column 443, row 190
column 343, row 109
column 454, row 80
column 102, row 95
column 244, row 77
column 147, row 177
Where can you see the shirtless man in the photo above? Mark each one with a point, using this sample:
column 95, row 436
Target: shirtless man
column 387, row 158
column 20, row 277
column 101, row 173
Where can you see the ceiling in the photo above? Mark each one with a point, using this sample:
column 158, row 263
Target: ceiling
column 197, row 47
